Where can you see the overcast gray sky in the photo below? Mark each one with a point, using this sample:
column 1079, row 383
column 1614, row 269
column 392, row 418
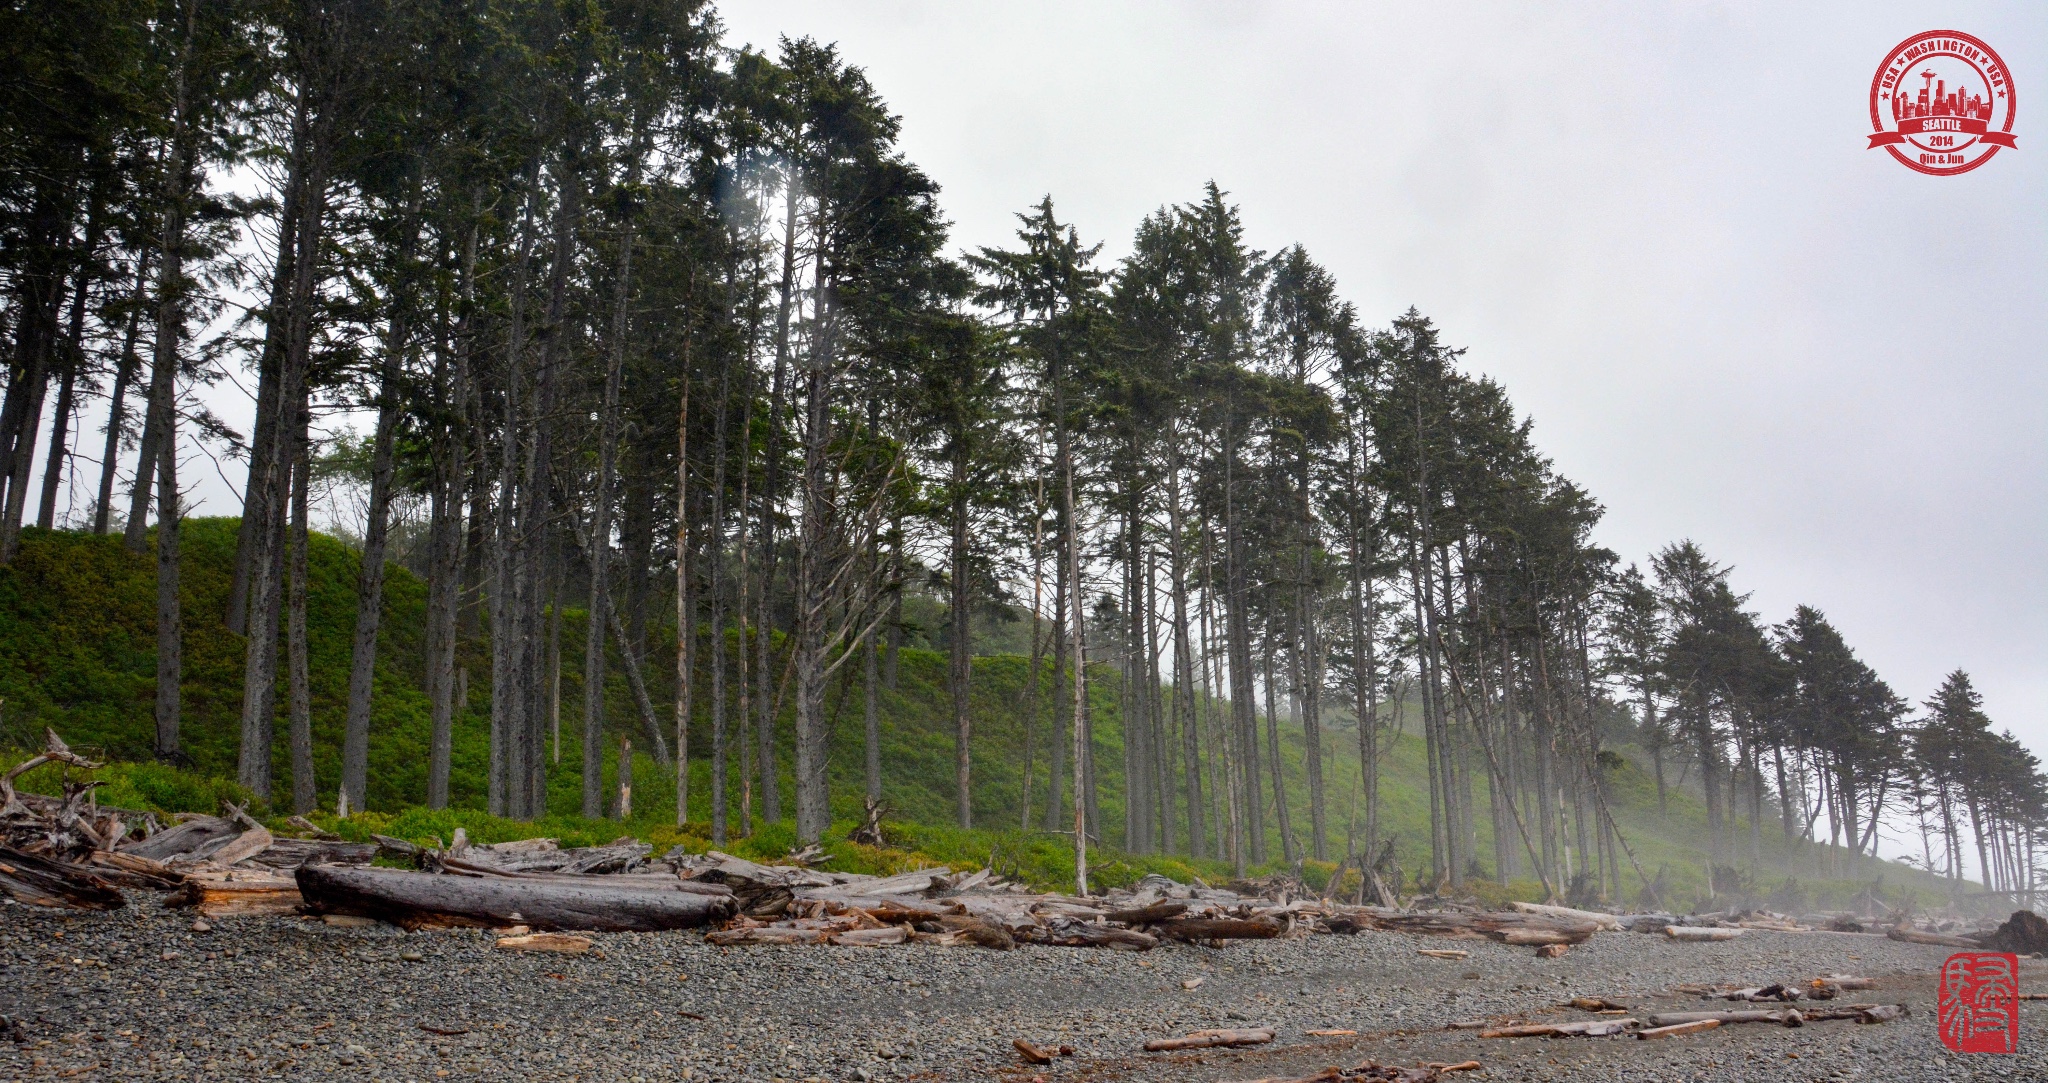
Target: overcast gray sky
column 1657, row 224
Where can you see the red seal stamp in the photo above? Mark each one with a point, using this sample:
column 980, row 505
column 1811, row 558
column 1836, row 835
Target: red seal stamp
column 1942, row 103
column 1980, row 1002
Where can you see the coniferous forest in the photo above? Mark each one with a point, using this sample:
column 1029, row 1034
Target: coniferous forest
column 617, row 320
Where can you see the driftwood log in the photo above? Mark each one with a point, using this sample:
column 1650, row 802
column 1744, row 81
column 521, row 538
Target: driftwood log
column 188, row 837
column 216, row 896
column 1195, row 930
column 1677, row 1030
column 42, row 881
column 1594, row 1028
column 1505, row 926
column 553, row 943
column 1700, row 933
column 416, row 899
column 1209, row 1039
column 1915, row 936
column 1159, row 911
column 1787, row 1017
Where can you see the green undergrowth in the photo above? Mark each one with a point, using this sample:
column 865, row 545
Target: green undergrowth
column 77, row 642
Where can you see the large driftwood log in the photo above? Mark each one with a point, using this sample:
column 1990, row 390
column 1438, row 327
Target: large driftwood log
column 1194, row 930
column 124, row 869
column 1159, row 911
column 215, row 895
column 291, row 853
column 1467, row 925
column 41, row 881
column 416, row 899
column 1915, row 936
column 1068, row 933
column 1607, row 922
column 185, row 838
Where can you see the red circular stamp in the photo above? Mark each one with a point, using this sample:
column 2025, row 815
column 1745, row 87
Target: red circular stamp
column 1942, row 103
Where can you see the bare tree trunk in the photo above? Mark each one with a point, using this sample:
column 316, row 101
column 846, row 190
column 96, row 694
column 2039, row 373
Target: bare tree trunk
column 305, row 788
column 169, row 619
column 117, row 402
column 506, row 548
column 260, row 665
column 355, row 739
column 1080, row 653
column 1186, row 701
column 1061, row 640
column 1030, row 713
column 771, row 489
column 74, row 359
column 962, row 662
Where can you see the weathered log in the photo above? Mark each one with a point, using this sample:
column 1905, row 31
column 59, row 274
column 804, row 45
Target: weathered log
column 1608, row 923
column 1678, row 1029
column 1195, row 930
column 1915, row 936
column 1159, row 911
column 42, row 881
column 124, row 869
column 1068, row 933
column 888, row 908
column 767, row 934
column 182, row 839
column 554, row 943
column 869, row 938
column 215, row 895
column 1597, row 1004
column 978, row 930
column 1789, row 1017
column 414, row 899
column 1592, row 1028
column 1700, row 933
column 246, row 845
column 1209, row 1039
column 1443, row 953
column 1465, row 925
column 291, row 853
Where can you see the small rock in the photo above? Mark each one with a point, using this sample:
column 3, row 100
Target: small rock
column 199, row 925
column 1193, row 983
column 169, row 956
column 412, row 956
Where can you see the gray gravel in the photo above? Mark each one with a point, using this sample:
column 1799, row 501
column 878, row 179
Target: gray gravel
column 142, row 996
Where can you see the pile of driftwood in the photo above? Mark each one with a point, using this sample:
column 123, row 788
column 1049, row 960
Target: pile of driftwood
column 779, row 904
